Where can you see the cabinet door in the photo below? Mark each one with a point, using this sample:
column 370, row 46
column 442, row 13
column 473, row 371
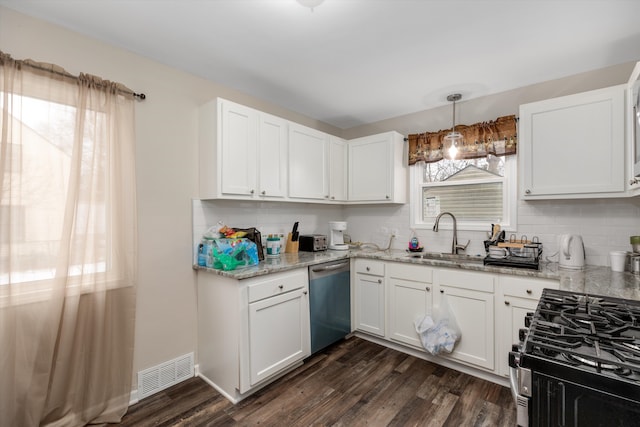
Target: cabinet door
column 272, row 148
column 238, row 149
column 308, row 163
column 473, row 312
column 516, row 297
column 408, row 300
column 370, row 168
column 370, row 304
column 278, row 333
column 338, row 167
column 573, row 146
column 470, row 296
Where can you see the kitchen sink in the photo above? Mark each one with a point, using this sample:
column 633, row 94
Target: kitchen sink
column 441, row 256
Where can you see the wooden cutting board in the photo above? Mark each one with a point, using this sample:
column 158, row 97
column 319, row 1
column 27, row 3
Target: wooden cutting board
column 518, row 245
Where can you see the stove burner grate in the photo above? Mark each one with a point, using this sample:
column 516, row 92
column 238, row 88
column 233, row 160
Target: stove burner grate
column 594, row 332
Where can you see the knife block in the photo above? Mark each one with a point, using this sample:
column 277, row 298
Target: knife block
column 291, row 247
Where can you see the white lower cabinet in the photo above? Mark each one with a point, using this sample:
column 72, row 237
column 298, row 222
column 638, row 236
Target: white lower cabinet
column 489, row 309
column 410, row 296
column 515, row 297
column 370, row 297
column 470, row 297
column 250, row 331
column 278, row 333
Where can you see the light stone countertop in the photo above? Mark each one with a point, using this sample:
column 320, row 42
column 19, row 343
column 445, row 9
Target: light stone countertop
column 595, row 280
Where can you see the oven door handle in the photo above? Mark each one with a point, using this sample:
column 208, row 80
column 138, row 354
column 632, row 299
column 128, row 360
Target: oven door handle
column 513, row 380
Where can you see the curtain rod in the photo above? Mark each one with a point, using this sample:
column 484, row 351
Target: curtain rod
column 140, row 96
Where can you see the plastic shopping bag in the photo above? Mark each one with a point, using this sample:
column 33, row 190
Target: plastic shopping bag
column 438, row 333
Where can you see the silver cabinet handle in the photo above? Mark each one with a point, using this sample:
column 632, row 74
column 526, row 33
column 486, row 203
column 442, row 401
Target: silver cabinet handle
column 304, row 292
column 507, row 303
column 263, row 192
column 529, row 291
column 442, row 291
column 368, row 269
column 428, row 289
column 252, row 191
column 280, row 287
column 527, row 191
column 333, row 197
column 379, row 280
column 387, row 197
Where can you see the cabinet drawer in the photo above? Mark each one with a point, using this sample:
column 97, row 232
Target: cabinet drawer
column 525, row 287
column 467, row 280
column 276, row 284
column 367, row 266
column 414, row 273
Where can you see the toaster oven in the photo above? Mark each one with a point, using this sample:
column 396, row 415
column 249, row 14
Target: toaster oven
column 313, row 243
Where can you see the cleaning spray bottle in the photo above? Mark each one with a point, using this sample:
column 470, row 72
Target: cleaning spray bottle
column 414, row 243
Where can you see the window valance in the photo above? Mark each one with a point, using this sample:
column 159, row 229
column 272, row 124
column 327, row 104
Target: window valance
column 497, row 137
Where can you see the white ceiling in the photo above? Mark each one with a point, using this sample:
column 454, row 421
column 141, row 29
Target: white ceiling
column 352, row 62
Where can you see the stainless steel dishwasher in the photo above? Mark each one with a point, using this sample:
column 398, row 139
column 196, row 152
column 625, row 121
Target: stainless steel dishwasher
column 329, row 303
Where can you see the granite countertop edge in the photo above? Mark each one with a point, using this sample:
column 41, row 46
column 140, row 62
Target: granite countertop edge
column 595, row 280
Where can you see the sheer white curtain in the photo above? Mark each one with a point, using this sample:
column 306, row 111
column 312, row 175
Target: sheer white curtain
column 68, row 246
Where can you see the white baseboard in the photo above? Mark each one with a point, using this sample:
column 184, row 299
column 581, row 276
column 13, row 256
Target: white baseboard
column 133, row 398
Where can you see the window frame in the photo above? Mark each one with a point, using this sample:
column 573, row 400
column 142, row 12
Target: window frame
column 509, row 198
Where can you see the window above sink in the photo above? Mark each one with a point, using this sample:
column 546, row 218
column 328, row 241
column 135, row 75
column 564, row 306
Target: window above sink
column 479, row 192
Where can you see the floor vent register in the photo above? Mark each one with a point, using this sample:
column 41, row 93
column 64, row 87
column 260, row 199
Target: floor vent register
column 162, row 376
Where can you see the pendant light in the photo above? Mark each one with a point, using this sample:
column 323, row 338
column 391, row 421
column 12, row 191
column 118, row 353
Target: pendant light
column 453, row 140
column 310, row 3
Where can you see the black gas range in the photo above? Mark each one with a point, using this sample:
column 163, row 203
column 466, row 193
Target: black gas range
column 578, row 362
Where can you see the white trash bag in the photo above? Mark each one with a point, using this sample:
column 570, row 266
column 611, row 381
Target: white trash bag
column 439, row 333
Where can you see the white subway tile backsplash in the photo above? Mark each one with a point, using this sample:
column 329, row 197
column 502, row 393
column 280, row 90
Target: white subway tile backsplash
column 605, row 225
column 267, row 217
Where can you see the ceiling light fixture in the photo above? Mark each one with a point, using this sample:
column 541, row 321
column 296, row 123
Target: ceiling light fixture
column 310, row 3
column 453, row 138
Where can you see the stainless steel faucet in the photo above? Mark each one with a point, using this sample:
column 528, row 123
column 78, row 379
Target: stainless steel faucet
column 454, row 244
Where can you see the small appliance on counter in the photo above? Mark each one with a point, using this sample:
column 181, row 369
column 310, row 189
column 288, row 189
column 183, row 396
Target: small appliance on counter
column 313, row 242
column 571, row 252
column 336, row 235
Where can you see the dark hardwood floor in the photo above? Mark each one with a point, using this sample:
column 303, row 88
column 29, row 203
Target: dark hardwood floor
column 353, row 383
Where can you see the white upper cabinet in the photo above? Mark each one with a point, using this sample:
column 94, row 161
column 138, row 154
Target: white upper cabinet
column 272, row 156
column 378, row 169
column 308, row 163
column 338, row 166
column 633, row 131
column 243, row 152
column 246, row 154
column 239, row 133
column 573, row 146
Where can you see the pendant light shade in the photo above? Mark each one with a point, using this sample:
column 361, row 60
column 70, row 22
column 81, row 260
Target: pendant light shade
column 310, row 3
column 453, row 140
